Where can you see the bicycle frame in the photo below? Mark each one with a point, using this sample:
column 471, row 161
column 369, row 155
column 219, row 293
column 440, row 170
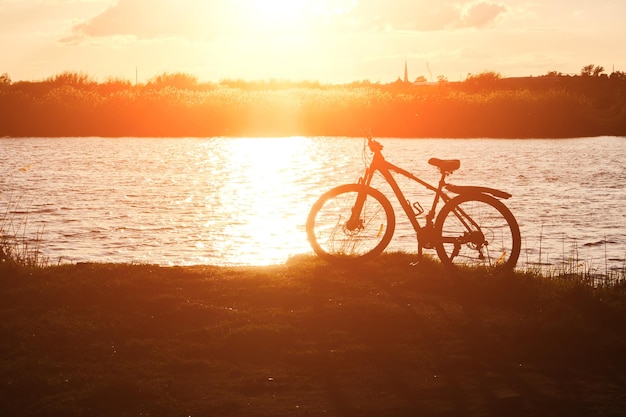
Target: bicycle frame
column 386, row 168
column 425, row 236
column 470, row 225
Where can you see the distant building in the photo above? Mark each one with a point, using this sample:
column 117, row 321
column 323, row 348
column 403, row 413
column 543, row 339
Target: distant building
column 406, row 72
column 421, row 80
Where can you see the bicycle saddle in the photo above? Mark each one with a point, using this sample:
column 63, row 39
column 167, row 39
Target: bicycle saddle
column 445, row 165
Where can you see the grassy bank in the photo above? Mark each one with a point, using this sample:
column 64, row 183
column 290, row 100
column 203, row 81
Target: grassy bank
column 307, row 339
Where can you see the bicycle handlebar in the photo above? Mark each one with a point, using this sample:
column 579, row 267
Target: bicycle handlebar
column 373, row 145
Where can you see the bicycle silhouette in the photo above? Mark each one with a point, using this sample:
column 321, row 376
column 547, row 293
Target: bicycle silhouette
column 355, row 222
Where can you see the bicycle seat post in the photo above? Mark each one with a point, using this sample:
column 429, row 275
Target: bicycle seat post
column 442, row 180
column 446, row 167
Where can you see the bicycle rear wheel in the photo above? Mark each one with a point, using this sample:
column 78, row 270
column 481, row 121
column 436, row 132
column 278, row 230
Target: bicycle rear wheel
column 477, row 230
column 333, row 238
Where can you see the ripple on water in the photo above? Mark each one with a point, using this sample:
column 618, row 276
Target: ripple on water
column 226, row 201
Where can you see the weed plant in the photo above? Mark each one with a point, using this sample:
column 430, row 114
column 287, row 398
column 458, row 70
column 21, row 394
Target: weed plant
column 17, row 249
column 569, row 266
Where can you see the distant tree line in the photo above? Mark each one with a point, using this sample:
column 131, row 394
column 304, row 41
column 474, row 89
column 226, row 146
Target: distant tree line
column 591, row 103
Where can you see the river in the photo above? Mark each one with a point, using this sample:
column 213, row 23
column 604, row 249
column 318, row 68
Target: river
column 244, row 201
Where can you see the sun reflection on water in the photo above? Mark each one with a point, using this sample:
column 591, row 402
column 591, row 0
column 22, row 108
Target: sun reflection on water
column 259, row 200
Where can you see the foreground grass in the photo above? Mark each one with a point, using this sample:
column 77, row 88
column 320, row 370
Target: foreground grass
column 307, row 339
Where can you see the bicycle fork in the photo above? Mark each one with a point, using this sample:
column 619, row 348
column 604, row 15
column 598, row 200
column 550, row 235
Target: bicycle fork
column 355, row 222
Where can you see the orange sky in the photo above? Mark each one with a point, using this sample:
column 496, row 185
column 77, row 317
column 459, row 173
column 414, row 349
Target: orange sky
column 333, row 41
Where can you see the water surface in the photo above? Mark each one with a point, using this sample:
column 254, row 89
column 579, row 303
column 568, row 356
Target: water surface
column 244, row 201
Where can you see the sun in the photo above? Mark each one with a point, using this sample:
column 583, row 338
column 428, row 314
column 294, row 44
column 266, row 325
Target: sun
column 279, row 16
column 284, row 17
column 286, row 39
column 282, row 11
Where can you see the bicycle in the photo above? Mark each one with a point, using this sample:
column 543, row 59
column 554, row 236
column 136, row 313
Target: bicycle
column 355, row 222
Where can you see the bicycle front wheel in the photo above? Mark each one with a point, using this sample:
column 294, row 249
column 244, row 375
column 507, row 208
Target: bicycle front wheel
column 477, row 230
column 334, row 237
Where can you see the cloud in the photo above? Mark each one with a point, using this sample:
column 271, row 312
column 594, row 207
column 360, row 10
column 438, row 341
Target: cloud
column 45, row 18
column 481, row 14
column 154, row 18
column 426, row 15
column 145, row 19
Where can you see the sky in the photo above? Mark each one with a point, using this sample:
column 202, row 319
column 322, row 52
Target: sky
column 329, row 41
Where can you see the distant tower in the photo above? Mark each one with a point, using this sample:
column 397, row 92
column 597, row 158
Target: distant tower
column 406, row 72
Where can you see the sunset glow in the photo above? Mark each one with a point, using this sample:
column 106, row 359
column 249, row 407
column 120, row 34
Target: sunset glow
column 332, row 41
column 265, row 184
column 279, row 15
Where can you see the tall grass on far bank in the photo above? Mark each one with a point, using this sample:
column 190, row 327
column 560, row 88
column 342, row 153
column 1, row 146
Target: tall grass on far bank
column 177, row 106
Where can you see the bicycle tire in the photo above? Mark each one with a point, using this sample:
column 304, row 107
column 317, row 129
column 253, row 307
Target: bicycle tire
column 496, row 243
column 327, row 229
